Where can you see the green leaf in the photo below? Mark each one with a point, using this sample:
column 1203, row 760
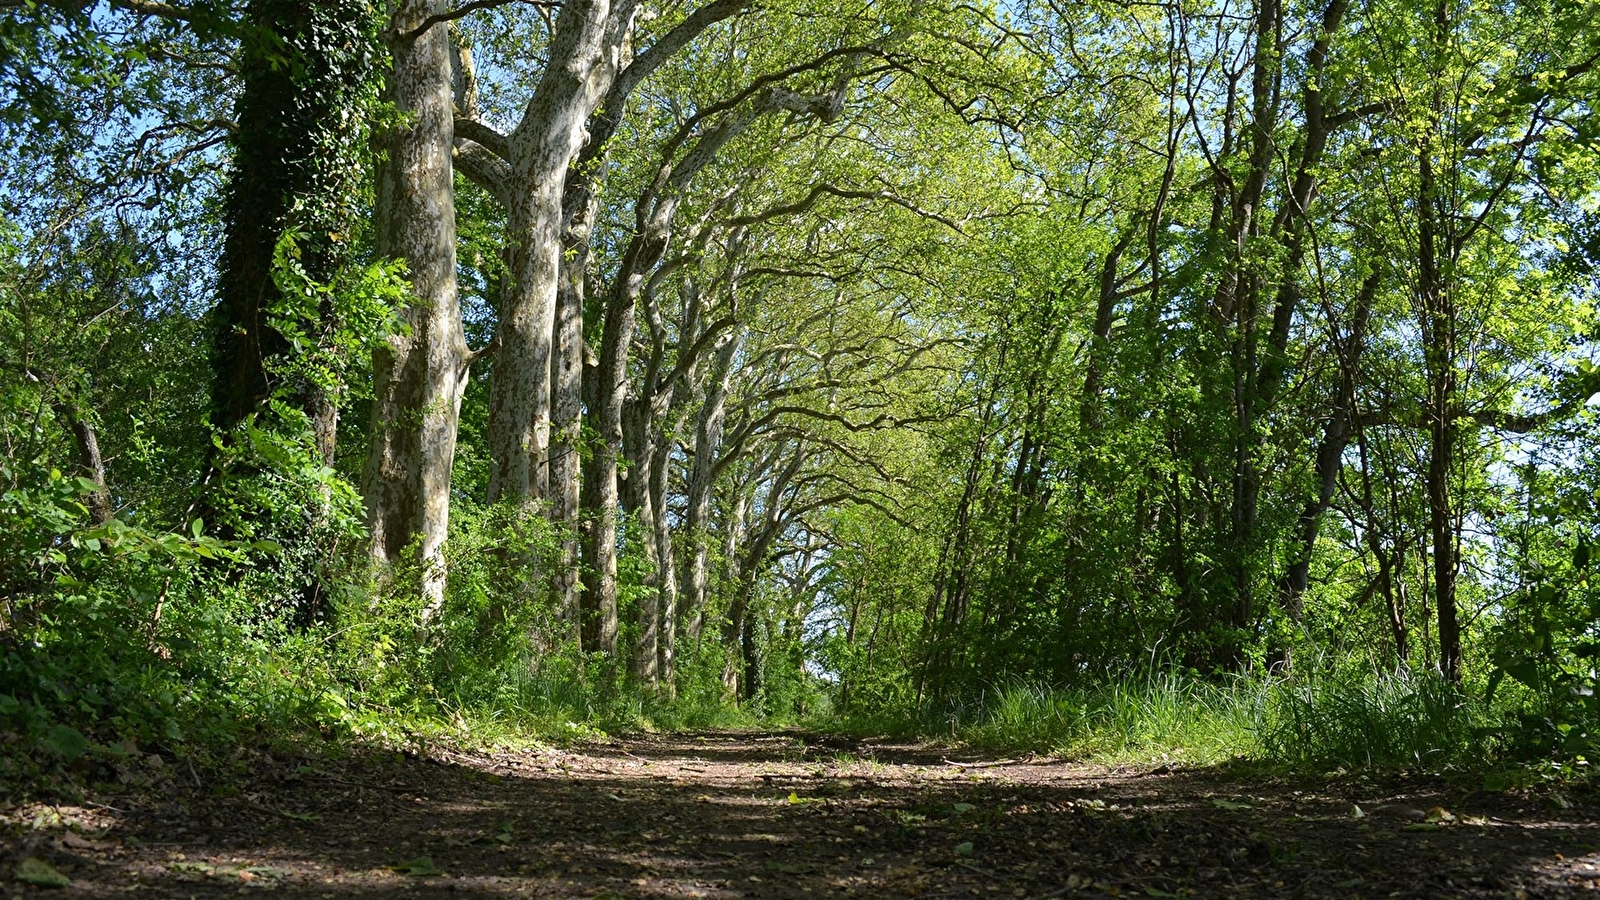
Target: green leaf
column 963, row 808
column 1229, row 804
column 38, row 872
column 1523, row 671
column 964, row 848
column 421, row 866
column 1495, row 782
column 68, row 742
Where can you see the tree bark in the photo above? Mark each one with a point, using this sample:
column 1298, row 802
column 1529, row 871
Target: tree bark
column 702, row 477
column 90, row 464
column 1439, row 356
column 585, row 50
column 1330, row 451
column 566, row 454
column 418, row 375
column 287, row 173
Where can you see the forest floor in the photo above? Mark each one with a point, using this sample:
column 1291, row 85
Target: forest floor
column 786, row 814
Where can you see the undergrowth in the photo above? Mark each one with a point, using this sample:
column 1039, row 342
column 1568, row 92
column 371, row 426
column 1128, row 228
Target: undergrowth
column 117, row 634
column 1317, row 718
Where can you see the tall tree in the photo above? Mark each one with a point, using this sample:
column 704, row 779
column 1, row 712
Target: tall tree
column 297, row 162
column 420, row 373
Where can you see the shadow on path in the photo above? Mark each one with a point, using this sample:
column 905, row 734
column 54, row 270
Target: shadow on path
column 782, row 815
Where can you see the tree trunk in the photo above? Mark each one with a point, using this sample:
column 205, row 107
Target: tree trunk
column 1330, row 452
column 90, row 463
column 584, row 53
column 702, row 477
column 566, row 457
column 288, row 173
column 638, row 498
column 1100, row 337
column 1237, row 303
column 418, row 375
column 1439, row 354
column 666, row 567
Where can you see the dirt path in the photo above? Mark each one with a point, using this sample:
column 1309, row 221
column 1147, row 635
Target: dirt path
column 785, row 815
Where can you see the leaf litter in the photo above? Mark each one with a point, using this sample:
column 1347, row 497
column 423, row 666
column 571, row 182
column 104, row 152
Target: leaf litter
column 791, row 815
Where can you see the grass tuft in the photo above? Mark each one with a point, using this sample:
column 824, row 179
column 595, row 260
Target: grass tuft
column 1316, row 719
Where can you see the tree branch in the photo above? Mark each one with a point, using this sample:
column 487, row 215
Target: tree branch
column 476, row 131
column 458, row 13
column 484, row 169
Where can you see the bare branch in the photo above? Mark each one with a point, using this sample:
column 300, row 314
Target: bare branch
column 462, row 12
column 479, row 133
column 484, row 169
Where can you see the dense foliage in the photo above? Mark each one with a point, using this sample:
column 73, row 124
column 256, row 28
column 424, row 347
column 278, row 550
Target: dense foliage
column 1110, row 376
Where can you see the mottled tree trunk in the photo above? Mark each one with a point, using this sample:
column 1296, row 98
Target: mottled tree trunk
column 418, row 375
column 90, row 463
column 566, row 454
column 702, row 477
column 666, row 567
column 639, row 499
column 604, row 508
column 584, row 52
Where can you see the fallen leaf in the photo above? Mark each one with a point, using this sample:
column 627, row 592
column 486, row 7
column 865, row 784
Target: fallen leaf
column 38, row 872
column 964, row 807
column 199, row 868
column 422, row 866
column 1229, row 804
column 68, row 742
column 964, row 848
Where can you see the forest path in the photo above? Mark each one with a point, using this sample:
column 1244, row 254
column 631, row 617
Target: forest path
column 779, row 815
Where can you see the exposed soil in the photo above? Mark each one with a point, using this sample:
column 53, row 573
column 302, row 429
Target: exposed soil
column 730, row 815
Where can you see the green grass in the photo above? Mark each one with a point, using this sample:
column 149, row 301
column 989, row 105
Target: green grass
column 1158, row 715
column 1400, row 719
column 1315, row 720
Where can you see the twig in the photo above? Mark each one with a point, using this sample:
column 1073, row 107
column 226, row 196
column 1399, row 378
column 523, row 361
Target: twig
column 293, row 817
column 981, row 765
column 362, row 784
column 966, row 865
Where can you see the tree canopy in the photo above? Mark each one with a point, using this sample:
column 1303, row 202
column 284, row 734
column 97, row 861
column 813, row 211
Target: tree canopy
column 862, row 357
